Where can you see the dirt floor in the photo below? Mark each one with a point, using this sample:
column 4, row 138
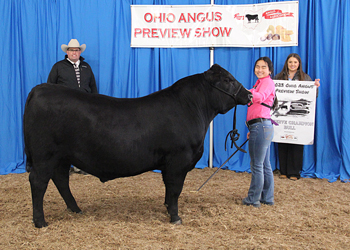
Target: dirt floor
column 128, row 213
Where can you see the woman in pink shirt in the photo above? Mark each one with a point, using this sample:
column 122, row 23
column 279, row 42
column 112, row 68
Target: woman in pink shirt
column 260, row 134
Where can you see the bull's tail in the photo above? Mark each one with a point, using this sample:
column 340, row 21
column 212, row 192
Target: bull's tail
column 28, row 162
column 29, row 158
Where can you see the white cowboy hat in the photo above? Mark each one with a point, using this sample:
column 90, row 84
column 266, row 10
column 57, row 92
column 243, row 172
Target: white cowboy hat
column 73, row 44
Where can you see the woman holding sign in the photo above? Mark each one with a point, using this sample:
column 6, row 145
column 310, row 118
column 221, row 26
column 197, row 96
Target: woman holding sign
column 260, row 134
column 291, row 155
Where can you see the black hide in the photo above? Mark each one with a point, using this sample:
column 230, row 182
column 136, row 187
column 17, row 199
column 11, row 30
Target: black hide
column 113, row 137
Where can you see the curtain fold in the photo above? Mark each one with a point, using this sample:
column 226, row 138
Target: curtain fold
column 32, row 32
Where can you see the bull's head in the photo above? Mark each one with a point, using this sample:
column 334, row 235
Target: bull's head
column 232, row 91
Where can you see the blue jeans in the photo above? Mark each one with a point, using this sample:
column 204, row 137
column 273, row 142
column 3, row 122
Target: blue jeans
column 262, row 183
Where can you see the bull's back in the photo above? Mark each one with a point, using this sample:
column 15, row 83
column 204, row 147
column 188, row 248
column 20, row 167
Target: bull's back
column 61, row 109
column 100, row 131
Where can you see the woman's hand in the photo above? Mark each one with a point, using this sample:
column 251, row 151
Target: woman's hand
column 317, row 83
column 248, row 135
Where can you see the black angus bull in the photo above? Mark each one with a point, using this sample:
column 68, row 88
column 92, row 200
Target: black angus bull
column 112, row 137
column 252, row 17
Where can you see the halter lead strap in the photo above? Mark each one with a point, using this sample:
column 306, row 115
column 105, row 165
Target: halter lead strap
column 234, row 135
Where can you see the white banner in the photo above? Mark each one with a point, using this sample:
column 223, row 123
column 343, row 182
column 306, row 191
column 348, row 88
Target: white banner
column 295, row 114
column 180, row 26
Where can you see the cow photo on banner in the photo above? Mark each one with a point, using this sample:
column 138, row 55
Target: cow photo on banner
column 295, row 113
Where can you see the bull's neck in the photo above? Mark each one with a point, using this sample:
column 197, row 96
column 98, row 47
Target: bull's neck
column 198, row 102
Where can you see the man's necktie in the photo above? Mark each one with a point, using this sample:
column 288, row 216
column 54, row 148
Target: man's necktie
column 77, row 73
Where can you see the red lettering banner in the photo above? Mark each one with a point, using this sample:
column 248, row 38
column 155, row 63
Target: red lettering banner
column 176, row 26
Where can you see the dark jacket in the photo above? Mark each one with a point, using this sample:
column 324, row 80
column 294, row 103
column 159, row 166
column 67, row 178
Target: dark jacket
column 63, row 73
column 296, row 77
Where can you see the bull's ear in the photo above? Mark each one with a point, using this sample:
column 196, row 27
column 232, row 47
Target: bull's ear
column 213, row 73
column 216, row 68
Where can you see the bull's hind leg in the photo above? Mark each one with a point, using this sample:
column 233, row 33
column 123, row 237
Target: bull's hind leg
column 38, row 185
column 173, row 188
column 61, row 181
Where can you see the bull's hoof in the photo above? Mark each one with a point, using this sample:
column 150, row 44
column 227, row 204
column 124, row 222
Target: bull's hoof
column 40, row 224
column 178, row 222
column 75, row 211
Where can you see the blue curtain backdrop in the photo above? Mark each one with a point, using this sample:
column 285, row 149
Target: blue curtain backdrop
column 32, row 32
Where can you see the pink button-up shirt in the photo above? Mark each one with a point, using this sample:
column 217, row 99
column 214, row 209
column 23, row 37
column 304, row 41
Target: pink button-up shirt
column 263, row 92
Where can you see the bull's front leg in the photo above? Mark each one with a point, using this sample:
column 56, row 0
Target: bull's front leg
column 38, row 189
column 171, row 203
column 173, row 188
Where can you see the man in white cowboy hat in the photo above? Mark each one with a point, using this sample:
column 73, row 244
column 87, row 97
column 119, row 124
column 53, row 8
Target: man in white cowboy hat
column 73, row 72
